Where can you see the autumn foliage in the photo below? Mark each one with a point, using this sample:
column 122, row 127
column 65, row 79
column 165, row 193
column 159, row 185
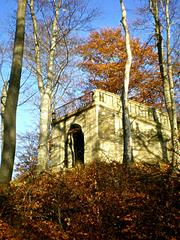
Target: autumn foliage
column 97, row 201
column 104, row 57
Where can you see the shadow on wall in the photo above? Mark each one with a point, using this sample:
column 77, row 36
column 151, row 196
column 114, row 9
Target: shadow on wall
column 160, row 136
column 151, row 145
column 97, row 131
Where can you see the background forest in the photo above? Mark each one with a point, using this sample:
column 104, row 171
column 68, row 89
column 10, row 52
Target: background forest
column 54, row 52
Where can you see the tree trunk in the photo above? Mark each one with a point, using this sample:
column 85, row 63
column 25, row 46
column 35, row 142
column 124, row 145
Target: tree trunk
column 9, row 143
column 174, row 127
column 45, row 88
column 166, row 73
column 162, row 65
column 127, row 154
column 3, row 103
column 45, row 114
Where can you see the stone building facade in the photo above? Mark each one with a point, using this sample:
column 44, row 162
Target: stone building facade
column 90, row 128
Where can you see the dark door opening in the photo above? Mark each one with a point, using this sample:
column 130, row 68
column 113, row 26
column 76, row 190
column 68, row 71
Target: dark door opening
column 78, row 144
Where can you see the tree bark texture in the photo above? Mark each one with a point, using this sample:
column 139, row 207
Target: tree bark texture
column 127, row 154
column 166, row 73
column 9, row 143
column 3, row 103
column 43, row 151
column 174, row 126
column 45, row 88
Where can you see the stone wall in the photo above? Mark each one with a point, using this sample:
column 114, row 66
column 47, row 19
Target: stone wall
column 101, row 124
column 60, row 139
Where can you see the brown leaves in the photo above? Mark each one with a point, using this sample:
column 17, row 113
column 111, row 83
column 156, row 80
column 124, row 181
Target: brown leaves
column 97, row 201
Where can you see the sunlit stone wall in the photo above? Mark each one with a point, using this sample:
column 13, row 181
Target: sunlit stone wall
column 101, row 123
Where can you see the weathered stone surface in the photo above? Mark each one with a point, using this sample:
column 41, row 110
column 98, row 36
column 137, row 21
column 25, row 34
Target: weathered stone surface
column 99, row 123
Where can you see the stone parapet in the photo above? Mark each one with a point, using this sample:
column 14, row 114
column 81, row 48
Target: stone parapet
column 92, row 124
column 113, row 101
column 136, row 109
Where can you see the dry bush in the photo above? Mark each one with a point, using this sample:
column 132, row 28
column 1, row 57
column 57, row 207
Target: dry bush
column 97, row 201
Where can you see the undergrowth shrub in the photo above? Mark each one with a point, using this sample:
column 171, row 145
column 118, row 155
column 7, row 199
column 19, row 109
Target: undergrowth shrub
column 96, row 201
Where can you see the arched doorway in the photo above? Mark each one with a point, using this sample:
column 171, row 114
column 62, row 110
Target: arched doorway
column 76, row 144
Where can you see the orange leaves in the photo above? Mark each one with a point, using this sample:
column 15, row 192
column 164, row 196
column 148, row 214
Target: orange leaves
column 104, row 57
column 7, row 232
column 97, row 201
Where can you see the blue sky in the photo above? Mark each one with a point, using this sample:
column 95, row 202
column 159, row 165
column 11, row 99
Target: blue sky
column 110, row 16
column 110, row 11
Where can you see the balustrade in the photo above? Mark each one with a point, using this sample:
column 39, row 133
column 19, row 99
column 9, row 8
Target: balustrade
column 113, row 101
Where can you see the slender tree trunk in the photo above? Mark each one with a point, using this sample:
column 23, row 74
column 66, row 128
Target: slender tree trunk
column 166, row 73
column 9, row 144
column 45, row 113
column 127, row 154
column 174, row 127
column 3, row 103
column 45, row 88
column 162, row 64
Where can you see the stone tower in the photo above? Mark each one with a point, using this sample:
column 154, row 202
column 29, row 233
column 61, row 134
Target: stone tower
column 90, row 128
